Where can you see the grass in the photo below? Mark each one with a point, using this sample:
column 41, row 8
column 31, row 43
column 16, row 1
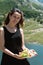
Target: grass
column 38, row 37
column 29, row 37
column 32, row 25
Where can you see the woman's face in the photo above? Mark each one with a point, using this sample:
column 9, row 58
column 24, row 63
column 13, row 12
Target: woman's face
column 15, row 18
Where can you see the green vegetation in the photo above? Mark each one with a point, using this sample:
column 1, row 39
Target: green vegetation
column 25, row 6
column 33, row 19
column 37, row 6
column 30, row 35
column 38, row 37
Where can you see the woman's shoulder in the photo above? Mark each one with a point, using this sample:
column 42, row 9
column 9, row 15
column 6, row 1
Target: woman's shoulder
column 1, row 30
column 1, row 37
column 21, row 30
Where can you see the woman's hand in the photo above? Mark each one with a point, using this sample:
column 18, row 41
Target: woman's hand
column 18, row 57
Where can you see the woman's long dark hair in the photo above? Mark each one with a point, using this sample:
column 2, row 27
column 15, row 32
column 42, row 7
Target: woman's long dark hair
column 10, row 13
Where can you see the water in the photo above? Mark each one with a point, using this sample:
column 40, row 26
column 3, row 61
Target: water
column 0, row 56
column 37, row 60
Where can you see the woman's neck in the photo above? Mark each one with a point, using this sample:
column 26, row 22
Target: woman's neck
column 12, row 29
column 10, row 25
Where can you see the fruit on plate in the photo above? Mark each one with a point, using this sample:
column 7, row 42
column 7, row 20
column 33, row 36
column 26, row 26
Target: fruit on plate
column 24, row 53
column 28, row 53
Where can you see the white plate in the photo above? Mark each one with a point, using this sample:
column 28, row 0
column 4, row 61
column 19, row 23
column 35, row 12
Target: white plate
column 31, row 53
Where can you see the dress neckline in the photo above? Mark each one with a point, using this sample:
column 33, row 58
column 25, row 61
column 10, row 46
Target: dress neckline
column 9, row 31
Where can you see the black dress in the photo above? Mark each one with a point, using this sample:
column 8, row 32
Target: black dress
column 13, row 42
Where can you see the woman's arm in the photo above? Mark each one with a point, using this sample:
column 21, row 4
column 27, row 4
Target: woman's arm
column 23, row 45
column 4, row 49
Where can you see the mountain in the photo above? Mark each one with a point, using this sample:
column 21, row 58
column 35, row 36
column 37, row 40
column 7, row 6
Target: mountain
column 36, row 5
column 25, row 5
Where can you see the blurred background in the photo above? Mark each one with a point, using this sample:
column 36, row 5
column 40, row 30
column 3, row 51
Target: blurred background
column 33, row 24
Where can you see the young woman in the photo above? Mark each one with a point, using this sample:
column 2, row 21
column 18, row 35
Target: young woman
column 12, row 39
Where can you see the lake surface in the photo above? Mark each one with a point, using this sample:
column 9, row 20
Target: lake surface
column 37, row 60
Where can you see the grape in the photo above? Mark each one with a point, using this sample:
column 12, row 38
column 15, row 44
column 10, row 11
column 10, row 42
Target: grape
column 24, row 55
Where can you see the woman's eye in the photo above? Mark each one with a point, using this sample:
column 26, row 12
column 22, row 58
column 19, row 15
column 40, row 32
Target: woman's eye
column 16, row 17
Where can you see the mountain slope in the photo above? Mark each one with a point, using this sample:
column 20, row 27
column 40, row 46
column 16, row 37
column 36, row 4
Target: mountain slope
column 36, row 5
column 25, row 5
